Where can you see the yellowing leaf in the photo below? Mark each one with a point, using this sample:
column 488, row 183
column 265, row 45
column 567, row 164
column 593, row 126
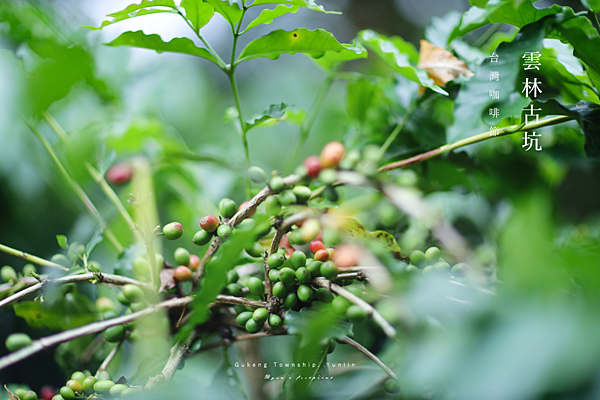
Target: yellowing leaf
column 440, row 64
column 354, row 229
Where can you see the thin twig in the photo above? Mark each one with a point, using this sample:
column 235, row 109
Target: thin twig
column 90, row 350
column 239, row 338
column 242, row 301
column 31, row 258
column 101, row 278
column 372, row 356
column 178, row 352
column 111, row 355
column 388, row 329
column 95, row 327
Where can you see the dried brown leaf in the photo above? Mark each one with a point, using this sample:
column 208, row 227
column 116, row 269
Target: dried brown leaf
column 441, row 65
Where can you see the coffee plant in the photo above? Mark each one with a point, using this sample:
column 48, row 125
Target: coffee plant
column 436, row 238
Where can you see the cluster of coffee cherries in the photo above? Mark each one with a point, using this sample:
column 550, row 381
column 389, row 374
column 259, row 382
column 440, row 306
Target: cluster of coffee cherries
column 431, row 261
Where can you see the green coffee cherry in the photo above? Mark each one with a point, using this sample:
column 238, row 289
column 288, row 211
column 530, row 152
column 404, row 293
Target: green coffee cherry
column 274, row 275
column 67, row 393
column 88, row 384
column 78, row 376
column 324, row 295
column 117, row 389
column 133, row 293
column 202, row 237
column 103, row 386
column 355, row 314
column 460, row 269
column 442, row 266
column 129, row 392
column 122, row 299
column 223, row 231
column 279, row 290
column 287, row 197
column 256, row 250
column 135, row 307
column 227, row 207
column 244, row 317
column 331, row 194
column 428, row 269
column 315, row 268
column 234, row 289
column 74, row 386
column 298, row 259
column 432, row 255
column 114, row 334
column 277, row 184
column 328, row 176
column 109, row 314
column 28, row 269
column 141, row 267
column 275, row 260
column 20, row 392
column 417, row 258
column 290, row 300
column 260, row 315
column 274, row 320
column 302, row 193
column 8, row 273
column 305, row 293
column 232, row 276
column 391, row 386
column 411, row 269
column 257, row 174
column 252, row 326
column 329, row 270
column 30, row 395
column 256, row 286
column 103, row 376
column 310, row 230
column 287, row 275
column 17, row 341
column 272, row 206
column 173, row 231
column 340, row 305
column 302, row 275
column 160, row 260
column 58, row 397
column 355, row 290
column 182, row 256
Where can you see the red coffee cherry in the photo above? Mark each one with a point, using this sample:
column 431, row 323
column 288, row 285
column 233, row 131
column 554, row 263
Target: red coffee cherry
column 322, row 255
column 316, row 245
column 332, row 154
column 313, row 166
column 183, row 273
column 209, row 223
column 243, row 205
column 194, row 262
column 119, row 174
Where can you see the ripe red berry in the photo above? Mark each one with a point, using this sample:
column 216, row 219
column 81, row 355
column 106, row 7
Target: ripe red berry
column 316, row 245
column 243, row 205
column 119, row 174
column 194, row 262
column 183, row 273
column 313, row 166
column 47, row 392
column 332, row 154
column 209, row 223
column 322, row 255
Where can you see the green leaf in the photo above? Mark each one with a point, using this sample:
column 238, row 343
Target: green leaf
column 314, row 43
column 137, row 10
column 332, row 59
column 72, row 311
column 587, row 115
column 275, row 111
column 359, row 97
column 95, row 240
column 230, row 11
column 62, row 241
column 198, row 13
column 310, row 4
column 154, row 42
column 267, row 16
column 400, row 56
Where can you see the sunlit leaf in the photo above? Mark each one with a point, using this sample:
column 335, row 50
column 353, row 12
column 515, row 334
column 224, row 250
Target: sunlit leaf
column 198, row 13
column 301, row 40
column 399, row 55
column 231, row 11
column 145, row 7
column 275, row 111
column 310, row 4
column 62, row 241
column 441, row 65
column 332, row 59
column 154, row 42
column 267, row 16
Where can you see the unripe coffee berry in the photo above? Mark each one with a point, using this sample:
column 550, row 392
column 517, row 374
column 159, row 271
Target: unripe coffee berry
column 30, row 395
column 418, row 258
column 183, row 273
column 194, row 262
column 340, row 305
column 114, row 334
column 302, row 275
column 201, row 237
column 287, row 197
column 117, row 389
column 260, row 315
column 256, row 286
column 182, row 256
column 279, row 290
column 28, row 269
column 391, row 386
column 274, row 275
column 322, row 255
column 74, row 386
column 257, row 174
column 244, row 317
column 355, row 314
column 67, row 393
column 287, row 275
column 173, row 230
column 332, row 154
column 275, row 260
column 313, row 166
column 20, row 392
column 329, row 270
column 309, row 230
column 224, row 231
column 432, row 255
column 302, row 193
column 232, row 276
column 17, row 341
column 133, row 293
column 8, row 273
column 305, row 293
column 314, row 268
column 324, row 295
column 103, row 386
column 290, row 300
column 78, row 376
column 88, row 384
column 460, row 269
column 272, row 206
column 104, row 304
column 227, row 207
column 234, row 289
column 274, row 320
column 298, row 259
column 277, row 184
column 252, row 326
column 209, row 223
